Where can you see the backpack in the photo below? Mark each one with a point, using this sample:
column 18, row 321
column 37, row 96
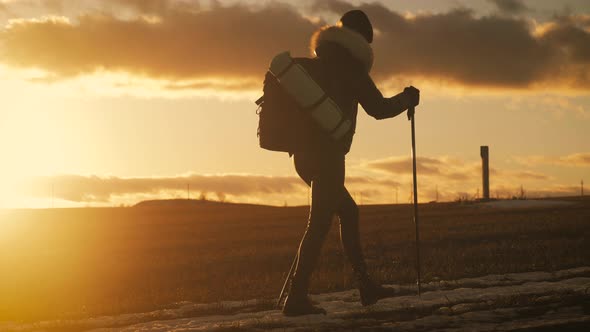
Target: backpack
column 281, row 125
column 294, row 105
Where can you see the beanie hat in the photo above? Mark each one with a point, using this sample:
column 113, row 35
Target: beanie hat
column 358, row 21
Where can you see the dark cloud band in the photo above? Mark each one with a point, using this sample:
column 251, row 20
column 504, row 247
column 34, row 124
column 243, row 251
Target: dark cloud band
column 510, row 6
column 180, row 41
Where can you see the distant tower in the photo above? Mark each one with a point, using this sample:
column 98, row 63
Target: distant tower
column 485, row 168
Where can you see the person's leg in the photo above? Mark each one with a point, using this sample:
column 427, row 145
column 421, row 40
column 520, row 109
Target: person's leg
column 324, row 176
column 348, row 214
column 318, row 226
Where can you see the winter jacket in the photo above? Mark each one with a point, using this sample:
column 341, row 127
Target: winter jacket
column 346, row 58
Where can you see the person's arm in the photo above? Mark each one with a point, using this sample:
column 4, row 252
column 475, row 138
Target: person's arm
column 380, row 107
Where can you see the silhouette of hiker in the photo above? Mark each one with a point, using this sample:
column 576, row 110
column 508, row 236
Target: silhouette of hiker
column 346, row 57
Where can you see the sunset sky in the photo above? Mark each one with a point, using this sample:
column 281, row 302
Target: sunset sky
column 110, row 102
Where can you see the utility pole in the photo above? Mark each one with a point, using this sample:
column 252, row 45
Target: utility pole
column 582, row 188
column 188, row 191
column 437, row 192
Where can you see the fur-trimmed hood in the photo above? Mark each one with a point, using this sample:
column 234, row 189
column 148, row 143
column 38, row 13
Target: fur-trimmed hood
column 351, row 40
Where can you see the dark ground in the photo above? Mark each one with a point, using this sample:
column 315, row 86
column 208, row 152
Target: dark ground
column 79, row 263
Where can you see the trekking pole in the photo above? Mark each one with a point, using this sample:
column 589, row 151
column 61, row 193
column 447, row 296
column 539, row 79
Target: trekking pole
column 411, row 112
column 287, row 280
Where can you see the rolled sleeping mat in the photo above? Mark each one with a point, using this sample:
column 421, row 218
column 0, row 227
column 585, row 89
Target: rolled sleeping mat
column 309, row 95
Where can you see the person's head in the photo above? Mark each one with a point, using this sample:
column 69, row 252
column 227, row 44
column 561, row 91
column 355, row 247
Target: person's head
column 358, row 21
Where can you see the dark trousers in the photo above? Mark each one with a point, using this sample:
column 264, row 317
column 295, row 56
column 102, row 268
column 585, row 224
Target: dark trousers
column 325, row 174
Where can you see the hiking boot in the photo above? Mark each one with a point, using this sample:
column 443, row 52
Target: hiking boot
column 371, row 292
column 299, row 306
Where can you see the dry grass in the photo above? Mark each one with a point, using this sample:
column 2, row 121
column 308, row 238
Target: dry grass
column 87, row 262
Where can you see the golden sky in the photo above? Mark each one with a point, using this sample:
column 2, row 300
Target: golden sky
column 115, row 101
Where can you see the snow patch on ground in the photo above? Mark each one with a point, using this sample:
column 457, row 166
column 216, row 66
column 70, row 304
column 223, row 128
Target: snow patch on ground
column 559, row 300
column 525, row 204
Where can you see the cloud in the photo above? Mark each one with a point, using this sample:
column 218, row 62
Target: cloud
column 530, row 175
column 442, row 167
column 223, row 85
column 81, row 190
column 78, row 188
column 450, row 178
column 486, row 51
column 232, row 42
column 153, row 6
column 15, row 6
column 509, row 176
column 510, row 6
column 108, row 189
column 576, row 159
column 573, row 160
column 183, row 41
column 378, row 181
column 365, row 180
